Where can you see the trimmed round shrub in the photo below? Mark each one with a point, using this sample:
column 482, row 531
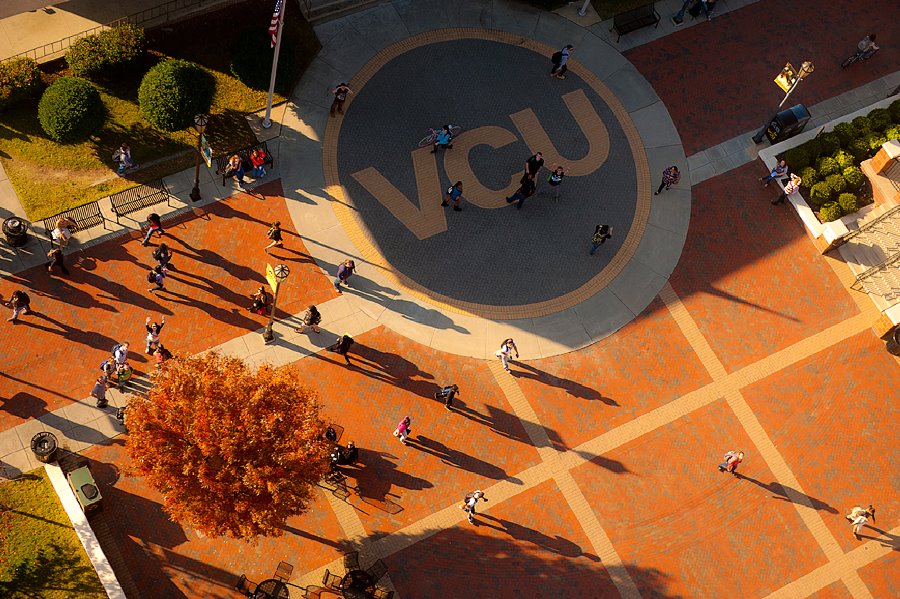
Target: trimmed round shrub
column 94, row 54
column 862, row 125
column 70, row 110
column 797, row 158
column 20, row 80
column 829, row 212
column 173, row 91
column 820, row 193
column 845, row 132
column 854, row 177
column 895, row 111
column 843, row 159
column 813, row 148
column 859, row 149
column 848, row 203
column 830, row 143
column 892, row 132
column 251, row 60
column 880, row 119
column 810, row 176
column 874, row 141
column 827, row 166
column 837, row 183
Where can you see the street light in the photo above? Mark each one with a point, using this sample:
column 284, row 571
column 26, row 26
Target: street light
column 805, row 70
column 281, row 274
column 200, row 122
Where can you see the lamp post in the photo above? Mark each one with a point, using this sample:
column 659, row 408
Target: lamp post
column 200, row 122
column 281, row 273
column 805, row 69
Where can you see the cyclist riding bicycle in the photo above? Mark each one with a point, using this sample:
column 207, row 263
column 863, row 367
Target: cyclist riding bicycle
column 866, row 45
column 443, row 139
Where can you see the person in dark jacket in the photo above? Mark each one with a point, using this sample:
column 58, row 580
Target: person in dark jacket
column 344, row 272
column 311, row 318
column 447, row 394
column 56, row 259
column 342, row 346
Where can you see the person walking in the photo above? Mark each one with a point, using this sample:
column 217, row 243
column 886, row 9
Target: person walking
column 731, row 461
column 555, row 180
column 157, row 276
column 404, row 428
column 525, row 191
column 340, row 96
column 447, row 394
column 153, row 331
column 470, row 502
column 311, row 318
column 454, row 192
column 274, row 234
column 154, row 225
column 856, row 511
column 20, row 304
column 792, row 186
column 533, row 165
column 601, row 234
column 342, row 346
column 344, row 272
column 120, row 354
column 780, row 170
column 671, row 176
column 506, row 348
column 443, row 140
column 861, row 519
column 560, row 61
column 99, row 391
column 56, row 259
column 163, row 256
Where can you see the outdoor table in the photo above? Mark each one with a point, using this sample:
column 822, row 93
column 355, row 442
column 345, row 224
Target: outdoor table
column 271, row 589
column 357, row 584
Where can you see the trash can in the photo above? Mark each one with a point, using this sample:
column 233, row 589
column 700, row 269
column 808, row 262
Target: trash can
column 787, row 123
column 893, row 342
column 85, row 488
column 44, row 446
column 16, row 231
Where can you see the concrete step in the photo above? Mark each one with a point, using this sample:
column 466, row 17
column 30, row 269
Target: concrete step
column 324, row 10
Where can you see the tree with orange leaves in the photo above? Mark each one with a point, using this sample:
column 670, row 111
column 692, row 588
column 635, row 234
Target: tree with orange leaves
column 233, row 451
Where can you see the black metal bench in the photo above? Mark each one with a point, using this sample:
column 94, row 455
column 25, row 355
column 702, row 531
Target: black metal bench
column 136, row 198
column 634, row 19
column 84, row 217
column 244, row 153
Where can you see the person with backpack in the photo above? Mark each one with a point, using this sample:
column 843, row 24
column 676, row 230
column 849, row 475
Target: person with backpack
column 163, row 257
column 342, row 346
column 122, row 159
column 340, row 96
column 154, row 225
column 525, row 191
column 404, row 427
column 311, row 318
column 447, row 394
column 56, row 259
column 601, row 234
column 120, row 354
column 506, row 348
column 559, row 60
column 157, row 276
column 469, row 503
column 20, row 304
column 454, row 192
column 153, row 331
column 344, row 272
column 99, row 391
column 274, row 234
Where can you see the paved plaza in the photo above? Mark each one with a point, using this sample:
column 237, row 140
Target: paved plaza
column 710, row 322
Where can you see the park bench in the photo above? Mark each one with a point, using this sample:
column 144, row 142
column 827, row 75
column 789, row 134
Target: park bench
column 634, row 19
column 84, row 217
column 244, row 153
column 136, row 198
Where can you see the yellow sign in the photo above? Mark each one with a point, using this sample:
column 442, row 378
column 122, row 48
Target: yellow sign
column 270, row 277
column 787, row 77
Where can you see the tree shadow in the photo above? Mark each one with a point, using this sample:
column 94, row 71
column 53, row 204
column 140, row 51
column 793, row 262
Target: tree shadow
column 376, row 474
column 573, row 388
column 53, row 570
column 784, row 493
column 457, row 459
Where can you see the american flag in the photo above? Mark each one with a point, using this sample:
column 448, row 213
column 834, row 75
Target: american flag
column 273, row 26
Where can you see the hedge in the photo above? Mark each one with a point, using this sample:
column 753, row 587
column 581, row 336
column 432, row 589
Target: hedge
column 874, row 141
column 861, row 123
column 845, row 132
column 848, row 203
column 94, row 54
column 251, row 60
column 830, row 143
column 20, row 80
column 880, row 119
column 894, row 107
column 173, row 91
column 854, row 177
column 797, row 157
column 836, row 183
column 809, row 176
column 859, row 149
column 70, row 110
column 829, row 212
column 827, row 166
column 892, row 132
column 843, row 159
column 820, row 193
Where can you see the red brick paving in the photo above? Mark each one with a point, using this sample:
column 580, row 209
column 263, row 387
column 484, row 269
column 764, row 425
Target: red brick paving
column 674, row 512
column 530, row 546
column 749, row 276
column 582, row 394
column 833, row 420
column 716, row 78
column 836, row 590
column 881, row 576
column 79, row 318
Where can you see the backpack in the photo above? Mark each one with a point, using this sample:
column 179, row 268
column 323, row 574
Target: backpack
column 557, row 57
column 151, row 276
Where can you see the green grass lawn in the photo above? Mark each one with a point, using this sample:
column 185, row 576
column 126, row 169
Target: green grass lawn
column 40, row 555
column 50, row 177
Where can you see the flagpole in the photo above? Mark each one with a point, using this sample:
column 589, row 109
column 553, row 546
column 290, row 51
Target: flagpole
column 267, row 122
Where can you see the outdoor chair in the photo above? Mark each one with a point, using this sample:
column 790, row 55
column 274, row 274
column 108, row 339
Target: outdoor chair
column 377, row 570
column 383, row 594
column 245, row 586
column 331, row 581
column 351, row 561
column 283, row 573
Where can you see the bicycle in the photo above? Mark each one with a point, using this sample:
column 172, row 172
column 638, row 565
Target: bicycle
column 859, row 55
column 432, row 135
